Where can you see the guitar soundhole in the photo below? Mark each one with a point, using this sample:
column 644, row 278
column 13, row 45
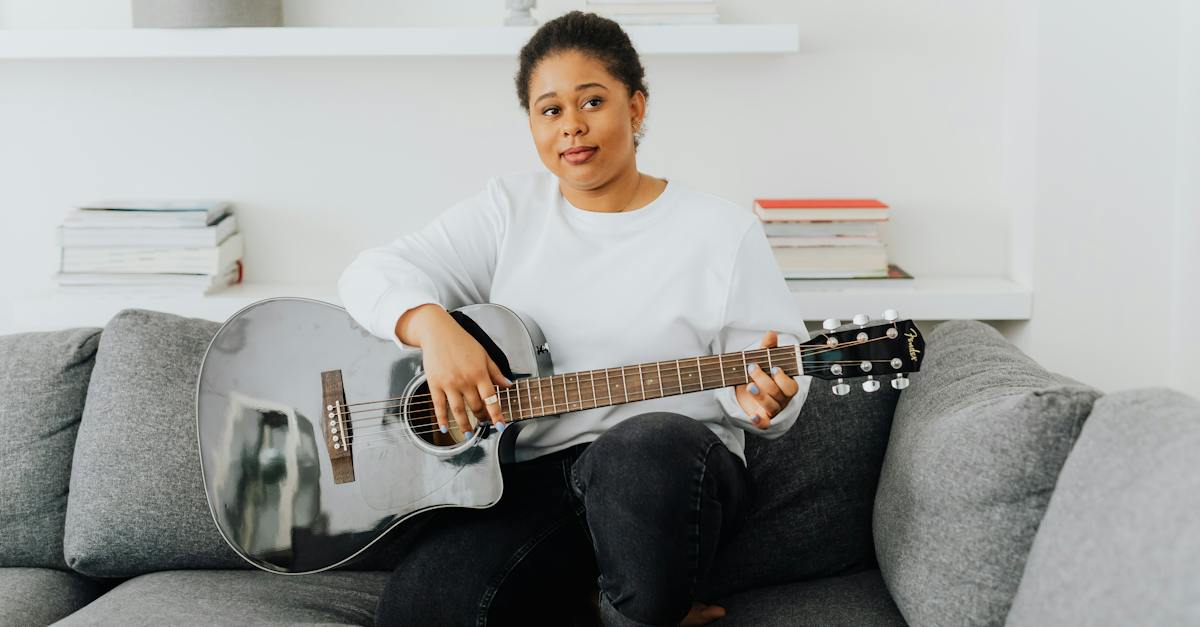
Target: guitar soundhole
column 423, row 420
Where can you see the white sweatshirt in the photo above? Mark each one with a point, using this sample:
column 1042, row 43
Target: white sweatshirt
column 688, row 275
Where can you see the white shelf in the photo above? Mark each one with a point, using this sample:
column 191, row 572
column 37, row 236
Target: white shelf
column 371, row 42
column 981, row 298
column 59, row 308
column 977, row 298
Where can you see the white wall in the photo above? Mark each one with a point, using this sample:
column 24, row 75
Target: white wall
column 989, row 127
column 1115, row 236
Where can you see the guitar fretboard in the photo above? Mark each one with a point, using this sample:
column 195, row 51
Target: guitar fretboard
column 575, row 391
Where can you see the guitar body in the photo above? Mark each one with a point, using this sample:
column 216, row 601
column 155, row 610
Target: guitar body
column 278, row 491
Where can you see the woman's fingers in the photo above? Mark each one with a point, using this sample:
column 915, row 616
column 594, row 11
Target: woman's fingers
column 459, row 409
column 766, row 387
column 440, row 407
column 487, row 390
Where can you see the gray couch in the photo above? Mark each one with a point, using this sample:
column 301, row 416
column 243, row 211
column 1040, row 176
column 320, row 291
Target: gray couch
column 989, row 492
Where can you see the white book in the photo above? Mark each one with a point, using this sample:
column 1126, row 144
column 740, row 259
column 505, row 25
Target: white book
column 106, row 282
column 782, row 241
column 153, row 259
column 860, row 228
column 148, row 213
column 71, row 236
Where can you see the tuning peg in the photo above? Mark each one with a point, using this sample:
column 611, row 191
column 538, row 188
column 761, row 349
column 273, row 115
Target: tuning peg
column 831, row 323
column 861, row 319
column 900, row 382
column 870, row 385
column 890, row 315
column 841, row 389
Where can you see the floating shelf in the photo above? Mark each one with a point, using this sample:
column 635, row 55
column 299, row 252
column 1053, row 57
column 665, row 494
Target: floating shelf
column 503, row 41
column 977, row 298
column 982, row 298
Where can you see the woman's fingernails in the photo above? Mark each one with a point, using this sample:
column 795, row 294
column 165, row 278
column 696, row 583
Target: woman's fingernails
column 753, row 389
column 443, row 428
column 470, row 434
column 507, row 381
column 500, row 427
column 776, row 370
column 750, row 368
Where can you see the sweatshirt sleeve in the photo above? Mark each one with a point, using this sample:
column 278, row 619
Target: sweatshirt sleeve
column 449, row 262
column 758, row 300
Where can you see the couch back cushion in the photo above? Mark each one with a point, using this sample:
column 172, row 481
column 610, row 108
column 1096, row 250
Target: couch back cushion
column 1118, row 544
column 977, row 442
column 43, row 385
column 137, row 500
column 814, row 488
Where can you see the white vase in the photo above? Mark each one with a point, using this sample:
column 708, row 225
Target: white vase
column 206, row 13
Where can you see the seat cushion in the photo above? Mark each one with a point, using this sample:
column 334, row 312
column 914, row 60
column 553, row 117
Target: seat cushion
column 1118, row 544
column 39, row 596
column 977, row 443
column 137, row 500
column 43, row 386
column 814, row 488
column 232, row 597
column 858, row 600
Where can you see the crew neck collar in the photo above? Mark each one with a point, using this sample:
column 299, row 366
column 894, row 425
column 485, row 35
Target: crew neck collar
column 601, row 221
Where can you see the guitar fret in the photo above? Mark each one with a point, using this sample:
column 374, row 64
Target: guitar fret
column 624, row 384
column 592, row 376
column 700, row 373
column 722, row 366
column 679, row 373
column 641, row 382
column 608, row 384
column 517, row 388
column 567, row 394
column 744, row 367
column 661, row 392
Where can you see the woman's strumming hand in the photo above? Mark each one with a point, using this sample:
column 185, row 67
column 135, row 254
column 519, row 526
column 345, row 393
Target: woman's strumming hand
column 460, row 374
column 767, row 393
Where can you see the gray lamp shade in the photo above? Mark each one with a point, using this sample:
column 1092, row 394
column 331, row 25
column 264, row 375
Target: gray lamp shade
column 206, row 13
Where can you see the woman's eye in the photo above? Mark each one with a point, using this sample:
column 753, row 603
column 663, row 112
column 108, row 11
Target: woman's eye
column 594, row 100
column 549, row 109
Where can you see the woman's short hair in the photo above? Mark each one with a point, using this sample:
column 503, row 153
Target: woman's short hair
column 589, row 34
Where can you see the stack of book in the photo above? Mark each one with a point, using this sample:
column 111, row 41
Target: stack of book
column 177, row 245
column 827, row 238
column 660, row 12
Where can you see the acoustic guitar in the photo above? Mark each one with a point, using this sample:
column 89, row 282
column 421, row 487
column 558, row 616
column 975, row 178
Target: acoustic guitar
column 317, row 437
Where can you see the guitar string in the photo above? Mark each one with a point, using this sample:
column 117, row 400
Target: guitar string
column 386, row 431
column 545, row 387
column 365, row 437
column 434, row 427
column 367, row 434
column 364, row 415
column 703, row 371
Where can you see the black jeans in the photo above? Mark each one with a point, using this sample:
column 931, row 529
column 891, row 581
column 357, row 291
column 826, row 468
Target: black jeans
column 638, row 513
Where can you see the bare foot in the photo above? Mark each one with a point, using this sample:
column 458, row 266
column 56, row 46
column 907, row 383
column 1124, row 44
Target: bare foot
column 703, row 614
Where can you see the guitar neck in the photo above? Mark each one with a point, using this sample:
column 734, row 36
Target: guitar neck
column 589, row 389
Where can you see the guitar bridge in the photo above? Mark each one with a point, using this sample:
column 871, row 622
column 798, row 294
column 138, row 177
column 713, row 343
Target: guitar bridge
column 337, row 427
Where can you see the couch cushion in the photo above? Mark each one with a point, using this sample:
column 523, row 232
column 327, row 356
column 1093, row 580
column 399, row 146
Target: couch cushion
column 977, row 443
column 814, row 488
column 43, row 385
column 40, row 596
column 137, row 500
column 852, row 600
column 230, row 597
column 1118, row 544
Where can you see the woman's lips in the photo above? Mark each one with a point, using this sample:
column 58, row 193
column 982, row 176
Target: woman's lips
column 582, row 156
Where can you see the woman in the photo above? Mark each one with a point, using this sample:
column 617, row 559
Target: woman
column 615, row 510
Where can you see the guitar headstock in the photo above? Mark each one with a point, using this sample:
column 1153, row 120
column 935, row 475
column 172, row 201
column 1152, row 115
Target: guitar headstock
column 865, row 348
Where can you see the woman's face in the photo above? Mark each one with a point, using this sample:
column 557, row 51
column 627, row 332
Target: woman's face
column 586, row 106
